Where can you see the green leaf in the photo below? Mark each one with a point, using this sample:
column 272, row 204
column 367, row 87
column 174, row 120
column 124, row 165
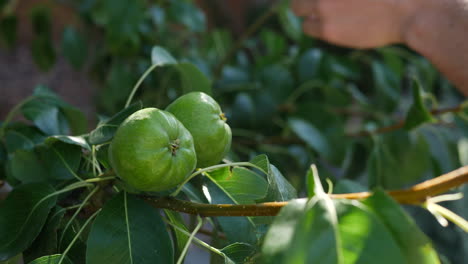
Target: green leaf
column 76, row 119
column 121, row 22
column 262, row 162
column 397, row 159
column 418, row 114
column 364, row 238
column 187, row 14
column 16, row 140
column 180, row 238
column 463, row 151
column 385, row 81
column 74, row 47
column 230, row 225
column 348, row 186
column 161, row 57
column 193, row 79
column 52, row 115
column 310, row 183
column 311, row 135
column 382, row 167
column 46, row 116
column 243, row 186
column 33, row 172
column 238, row 252
column 46, row 242
column 52, row 259
column 104, row 132
column 325, row 231
column 291, row 23
column 279, row 237
column 128, row 230
column 279, row 189
column 22, row 216
column 55, row 161
column 412, row 241
column 308, row 65
column 78, row 141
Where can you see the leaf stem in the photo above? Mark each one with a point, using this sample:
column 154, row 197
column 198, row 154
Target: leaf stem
column 197, row 240
column 189, row 241
column 140, row 81
column 76, row 236
column 85, row 201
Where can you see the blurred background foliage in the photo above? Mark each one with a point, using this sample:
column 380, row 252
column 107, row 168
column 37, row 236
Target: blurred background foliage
column 382, row 117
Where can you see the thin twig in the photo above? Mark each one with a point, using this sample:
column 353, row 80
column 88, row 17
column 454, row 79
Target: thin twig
column 414, row 196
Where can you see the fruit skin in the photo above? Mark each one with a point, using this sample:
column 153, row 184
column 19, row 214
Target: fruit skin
column 152, row 151
column 203, row 117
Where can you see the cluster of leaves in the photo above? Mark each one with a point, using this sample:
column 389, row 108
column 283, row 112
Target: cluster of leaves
column 65, row 208
column 295, row 99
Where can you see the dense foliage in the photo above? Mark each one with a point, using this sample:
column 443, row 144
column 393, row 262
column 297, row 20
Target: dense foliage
column 369, row 120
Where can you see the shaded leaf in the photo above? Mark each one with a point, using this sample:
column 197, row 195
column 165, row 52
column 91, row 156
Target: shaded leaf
column 418, row 113
column 47, row 117
column 179, row 237
column 238, row 252
column 279, row 189
column 382, row 167
column 193, row 79
column 74, row 47
column 22, row 216
column 104, row 132
column 188, row 14
column 128, row 230
column 311, row 135
column 33, row 172
column 291, row 23
column 46, row 242
column 230, row 225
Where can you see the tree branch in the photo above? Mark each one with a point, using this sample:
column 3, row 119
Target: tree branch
column 414, row 196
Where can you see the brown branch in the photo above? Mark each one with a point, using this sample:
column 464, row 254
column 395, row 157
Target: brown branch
column 400, row 124
column 414, row 195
